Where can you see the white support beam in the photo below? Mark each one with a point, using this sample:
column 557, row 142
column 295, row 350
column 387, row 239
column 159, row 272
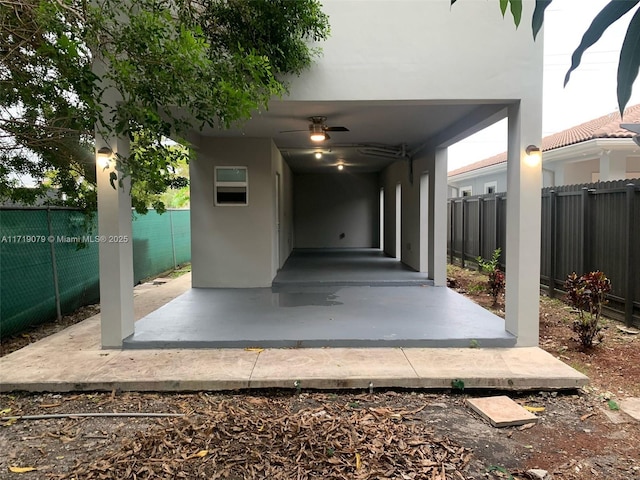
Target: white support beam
column 524, row 182
column 115, row 249
column 438, row 219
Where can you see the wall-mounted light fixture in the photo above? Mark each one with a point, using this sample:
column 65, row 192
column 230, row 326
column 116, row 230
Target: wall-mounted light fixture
column 104, row 156
column 318, row 155
column 317, row 132
column 534, row 156
column 340, row 167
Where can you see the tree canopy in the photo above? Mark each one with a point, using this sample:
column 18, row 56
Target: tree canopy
column 174, row 65
column 629, row 62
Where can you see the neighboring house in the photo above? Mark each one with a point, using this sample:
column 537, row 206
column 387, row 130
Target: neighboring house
column 407, row 79
column 597, row 150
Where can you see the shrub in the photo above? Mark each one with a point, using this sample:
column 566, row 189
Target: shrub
column 496, row 281
column 587, row 294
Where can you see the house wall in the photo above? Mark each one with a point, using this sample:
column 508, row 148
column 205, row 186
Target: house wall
column 336, row 210
column 391, row 49
column 282, row 233
column 233, row 246
column 412, row 225
column 633, row 167
column 477, row 183
column 577, row 172
column 566, row 171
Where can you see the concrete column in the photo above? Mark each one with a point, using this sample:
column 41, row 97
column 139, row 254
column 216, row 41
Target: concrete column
column 438, row 219
column 559, row 174
column 613, row 165
column 523, row 224
column 115, row 249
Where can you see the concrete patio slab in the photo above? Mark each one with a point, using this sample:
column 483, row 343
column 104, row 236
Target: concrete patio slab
column 72, row 360
column 502, row 368
column 334, row 368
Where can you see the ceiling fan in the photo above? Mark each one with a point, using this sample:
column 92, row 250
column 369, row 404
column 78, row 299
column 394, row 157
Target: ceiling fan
column 318, row 129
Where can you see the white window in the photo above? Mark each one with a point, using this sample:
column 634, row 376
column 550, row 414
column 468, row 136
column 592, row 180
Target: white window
column 231, row 186
column 490, row 187
column 466, row 191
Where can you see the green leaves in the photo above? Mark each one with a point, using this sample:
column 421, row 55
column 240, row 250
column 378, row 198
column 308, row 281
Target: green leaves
column 175, row 65
column 515, row 7
column 538, row 16
column 607, row 16
column 629, row 62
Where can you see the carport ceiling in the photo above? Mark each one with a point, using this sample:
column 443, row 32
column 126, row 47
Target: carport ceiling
column 372, row 126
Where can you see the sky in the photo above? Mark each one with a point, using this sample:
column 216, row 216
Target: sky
column 590, row 93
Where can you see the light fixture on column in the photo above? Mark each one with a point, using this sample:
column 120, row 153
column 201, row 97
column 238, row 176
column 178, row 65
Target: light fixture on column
column 104, row 156
column 534, row 156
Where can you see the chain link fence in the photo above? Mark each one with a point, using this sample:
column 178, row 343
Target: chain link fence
column 49, row 263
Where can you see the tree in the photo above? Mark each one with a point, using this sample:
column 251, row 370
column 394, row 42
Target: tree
column 175, row 65
column 629, row 62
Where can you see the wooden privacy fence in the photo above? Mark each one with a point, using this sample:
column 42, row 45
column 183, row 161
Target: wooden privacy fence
column 584, row 228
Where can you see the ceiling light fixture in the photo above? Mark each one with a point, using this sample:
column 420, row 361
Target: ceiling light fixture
column 318, row 155
column 317, row 132
column 340, row 167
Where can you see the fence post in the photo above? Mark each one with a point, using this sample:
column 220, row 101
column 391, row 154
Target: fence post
column 628, row 301
column 585, row 228
column 463, row 233
column 496, row 232
column 480, row 225
column 552, row 243
column 452, row 230
column 54, row 265
column 173, row 242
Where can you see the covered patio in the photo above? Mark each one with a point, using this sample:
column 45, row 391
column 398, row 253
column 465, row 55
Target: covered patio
column 325, row 298
column 378, row 181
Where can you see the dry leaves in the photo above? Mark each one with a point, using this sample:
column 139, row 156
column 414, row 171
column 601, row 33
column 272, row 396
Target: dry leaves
column 275, row 438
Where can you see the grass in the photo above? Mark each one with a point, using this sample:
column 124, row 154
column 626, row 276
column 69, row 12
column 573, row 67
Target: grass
column 186, row 268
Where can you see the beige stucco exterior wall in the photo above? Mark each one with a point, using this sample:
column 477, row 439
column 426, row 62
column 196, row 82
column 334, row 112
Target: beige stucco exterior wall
column 422, row 50
column 235, row 246
column 336, row 210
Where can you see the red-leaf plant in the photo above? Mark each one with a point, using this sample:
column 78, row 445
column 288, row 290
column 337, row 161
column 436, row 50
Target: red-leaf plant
column 587, row 294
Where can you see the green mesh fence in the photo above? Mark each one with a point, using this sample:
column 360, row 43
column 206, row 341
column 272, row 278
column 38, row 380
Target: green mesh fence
column 43, row 250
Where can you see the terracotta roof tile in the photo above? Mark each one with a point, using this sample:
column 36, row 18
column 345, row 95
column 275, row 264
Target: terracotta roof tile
column 607, row 126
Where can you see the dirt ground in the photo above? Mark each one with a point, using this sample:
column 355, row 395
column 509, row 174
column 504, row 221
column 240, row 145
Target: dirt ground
column 344, row 434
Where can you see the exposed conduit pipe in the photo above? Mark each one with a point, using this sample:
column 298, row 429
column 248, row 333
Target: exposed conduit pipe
column 74, row 415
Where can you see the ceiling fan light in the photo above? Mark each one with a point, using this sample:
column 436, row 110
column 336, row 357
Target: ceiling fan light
column 317, row 133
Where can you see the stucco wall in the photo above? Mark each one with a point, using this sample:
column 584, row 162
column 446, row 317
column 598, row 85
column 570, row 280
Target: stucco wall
column 477, row 183
column 336, row 210
column 232, row 246
column 413, row 223
column 283, row 242
column 415, row 50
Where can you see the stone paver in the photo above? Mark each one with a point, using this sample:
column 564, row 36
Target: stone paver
column 631, row 406
column 501, row 411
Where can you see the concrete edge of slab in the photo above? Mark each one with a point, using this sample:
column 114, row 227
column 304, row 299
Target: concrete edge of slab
column 321, row 383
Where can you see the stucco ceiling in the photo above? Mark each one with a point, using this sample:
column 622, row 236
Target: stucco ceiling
column 374, row 129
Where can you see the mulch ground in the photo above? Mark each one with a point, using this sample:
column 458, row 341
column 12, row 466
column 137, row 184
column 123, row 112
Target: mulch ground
column 343, row 434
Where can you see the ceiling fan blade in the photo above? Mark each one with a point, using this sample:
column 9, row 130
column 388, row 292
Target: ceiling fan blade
column 291, row 131
column 336, row 129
